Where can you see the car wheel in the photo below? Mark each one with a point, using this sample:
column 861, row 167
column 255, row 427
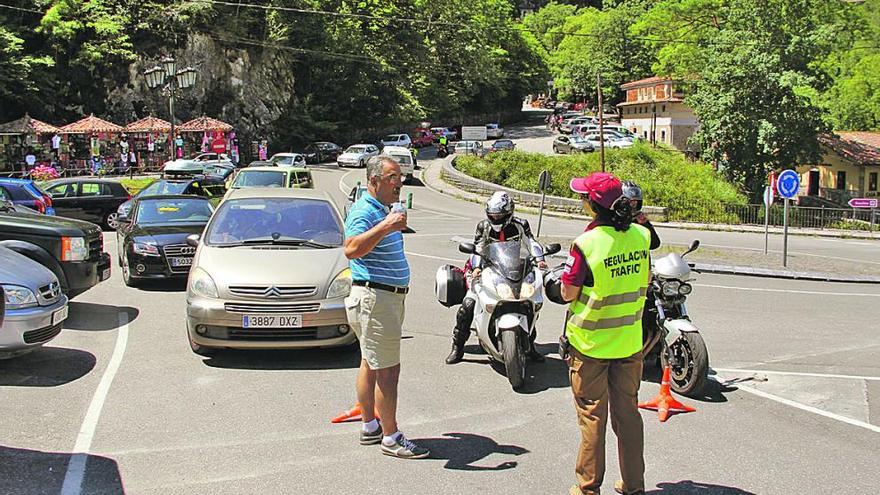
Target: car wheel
column 111, row 220
column 555, row 150
column 127, row 279
column 201, row 350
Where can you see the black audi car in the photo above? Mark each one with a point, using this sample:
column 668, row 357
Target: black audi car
column 151, row 241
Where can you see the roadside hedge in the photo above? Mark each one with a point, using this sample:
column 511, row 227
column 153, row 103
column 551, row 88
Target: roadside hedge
column 692, row 189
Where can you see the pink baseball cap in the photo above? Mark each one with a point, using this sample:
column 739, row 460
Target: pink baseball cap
column 602, row 187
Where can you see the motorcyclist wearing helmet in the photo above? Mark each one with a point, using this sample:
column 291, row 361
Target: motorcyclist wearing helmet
column 633, row 194
column 500, row 225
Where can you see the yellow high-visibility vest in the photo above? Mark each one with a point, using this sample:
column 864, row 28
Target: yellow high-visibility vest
column 605, row 320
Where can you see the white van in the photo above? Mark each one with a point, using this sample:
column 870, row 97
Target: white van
column 405, row 158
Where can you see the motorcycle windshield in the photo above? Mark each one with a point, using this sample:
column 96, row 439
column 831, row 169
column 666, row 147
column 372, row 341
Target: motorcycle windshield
column 509, row 258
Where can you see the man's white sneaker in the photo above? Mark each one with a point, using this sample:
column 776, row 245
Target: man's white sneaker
column 404, row 449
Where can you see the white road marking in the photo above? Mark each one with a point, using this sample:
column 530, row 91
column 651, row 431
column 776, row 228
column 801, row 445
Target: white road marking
column 799, row 373
column 811, row 409
column 76, row 468
column 820, row 293
column 793, row 252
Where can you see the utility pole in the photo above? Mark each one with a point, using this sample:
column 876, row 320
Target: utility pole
column 601, row 122
column 654, row 121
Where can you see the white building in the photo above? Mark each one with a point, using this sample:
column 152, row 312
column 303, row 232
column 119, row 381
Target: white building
column 656, row 111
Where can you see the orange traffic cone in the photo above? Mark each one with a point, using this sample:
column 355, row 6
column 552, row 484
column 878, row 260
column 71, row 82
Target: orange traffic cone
column 664, row 403
column 352, row 414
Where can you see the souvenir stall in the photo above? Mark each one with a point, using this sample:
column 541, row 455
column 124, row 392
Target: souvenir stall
column 92, row 145
column 148, row 138
column 25, row 136
column 206, row 134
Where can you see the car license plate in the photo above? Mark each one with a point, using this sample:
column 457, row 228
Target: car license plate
column 105, row 274
column 181, row 262
column 271, row 321
column 59, row 316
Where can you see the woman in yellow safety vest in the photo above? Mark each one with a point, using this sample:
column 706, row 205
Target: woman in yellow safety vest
column 605, row 280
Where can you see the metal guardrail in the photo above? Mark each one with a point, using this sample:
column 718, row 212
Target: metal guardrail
column 799, row 216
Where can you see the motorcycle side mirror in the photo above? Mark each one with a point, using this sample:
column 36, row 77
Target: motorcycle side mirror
column 552, row 248
column 467, row 248
column 694, row 246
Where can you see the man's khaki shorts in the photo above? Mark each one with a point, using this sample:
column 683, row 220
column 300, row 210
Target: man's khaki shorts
column 376, row 316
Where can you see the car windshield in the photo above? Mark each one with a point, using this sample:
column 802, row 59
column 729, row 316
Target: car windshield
column 402, row 158
column 356, row 149
column 172, row 211
column 163, row 187
column 275, row 220
column 284, row 160
column 503, row 144
column 260, row 178
column 216, row 170
column 392, row 137
column 578, row 139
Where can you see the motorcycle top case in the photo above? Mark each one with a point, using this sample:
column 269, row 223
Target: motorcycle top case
column 449, row 285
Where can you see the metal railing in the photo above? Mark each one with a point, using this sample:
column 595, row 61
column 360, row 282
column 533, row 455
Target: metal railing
column 799, row 216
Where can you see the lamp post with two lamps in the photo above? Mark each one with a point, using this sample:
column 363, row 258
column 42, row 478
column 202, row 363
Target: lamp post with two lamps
column 171, row 80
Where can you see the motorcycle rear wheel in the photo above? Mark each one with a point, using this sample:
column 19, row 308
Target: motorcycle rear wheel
column 689, row 374
column 514, row 358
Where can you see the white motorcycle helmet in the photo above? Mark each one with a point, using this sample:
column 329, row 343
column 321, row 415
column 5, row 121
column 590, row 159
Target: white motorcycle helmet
column 499, row 210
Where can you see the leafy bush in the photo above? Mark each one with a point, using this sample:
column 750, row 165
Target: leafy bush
column 692, row 189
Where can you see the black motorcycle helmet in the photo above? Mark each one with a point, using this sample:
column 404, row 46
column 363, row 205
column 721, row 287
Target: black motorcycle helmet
column 633, row 193
column 553, row 285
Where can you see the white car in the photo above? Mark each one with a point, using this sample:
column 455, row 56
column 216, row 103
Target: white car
column 568, row 125
column 195, row 165
column 494, row 131
column 611, row 141
column 288, row 160
column 356, row 155
column 402, row 140
column 405, row 158
column 468, row 148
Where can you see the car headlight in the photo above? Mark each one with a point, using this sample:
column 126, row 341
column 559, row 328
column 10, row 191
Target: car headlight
column 145, row 249
column 341, row 285
column 201, row 284
column 74, row 249
column 670, row 289
column 685, row 289
column 18, row 297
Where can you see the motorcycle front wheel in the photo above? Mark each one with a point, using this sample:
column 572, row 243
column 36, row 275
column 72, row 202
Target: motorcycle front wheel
column 688, row 359
column 514, row 358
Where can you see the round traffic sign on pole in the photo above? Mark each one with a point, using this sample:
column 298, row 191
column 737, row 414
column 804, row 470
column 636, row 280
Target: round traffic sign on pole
column 788, row 184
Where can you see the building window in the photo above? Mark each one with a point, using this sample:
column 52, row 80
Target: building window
column 645, row 134
column 841, row 180
column 872, row 181
column 662, row 136
column 663, row 108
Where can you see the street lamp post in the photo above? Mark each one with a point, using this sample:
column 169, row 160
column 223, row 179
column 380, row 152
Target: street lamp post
column 171, row 80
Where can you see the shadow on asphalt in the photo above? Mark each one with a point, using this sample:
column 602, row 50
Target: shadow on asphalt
column 26, row 472
column 294, row 359
column 416, row 182
column 45, row 367
column 534, row 131
column 689, row 487
column 462, row 450
column 174, row 285
column 552, row 373
column 96, row 317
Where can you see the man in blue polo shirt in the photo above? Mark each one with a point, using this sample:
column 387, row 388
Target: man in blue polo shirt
column 375, row 307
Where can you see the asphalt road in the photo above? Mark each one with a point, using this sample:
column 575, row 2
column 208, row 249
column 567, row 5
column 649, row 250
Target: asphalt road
column 118, row 403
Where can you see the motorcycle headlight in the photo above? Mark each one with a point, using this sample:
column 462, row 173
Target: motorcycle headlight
column 685, row 289
column 670, row 289
column 18, row 297
column 504, row 291
column 341, row 285
column 529, row 286
column 201, row 284
column 145, row 249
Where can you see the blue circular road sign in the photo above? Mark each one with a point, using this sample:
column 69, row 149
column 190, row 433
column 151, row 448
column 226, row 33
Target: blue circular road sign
column 787, row 184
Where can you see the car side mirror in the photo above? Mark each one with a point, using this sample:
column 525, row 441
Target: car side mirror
column 123, row 219
column 467, row 248
column 552, row 248
column 193, row 240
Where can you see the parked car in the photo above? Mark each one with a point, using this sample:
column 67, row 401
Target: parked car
column 72, row 249
column 572, row 144
column 422, row 137
column 261, row 163
column 450, row 134
column 194, row 165
column 468, row 148
column 357, row 155
column 92, row 200
column 610, row 141
column 353, row 195
column 288, row 160
column 218, row 172
column 404, row 157
column 25, row 192
column 6, row 205
column 237, row 297
column 35, row 306
column 567, row 125
column 402, row 140
column 494, row 131
column 151, row 243
column 284, row 177
column 321, row 152
column 207, row 186
column 502, row 145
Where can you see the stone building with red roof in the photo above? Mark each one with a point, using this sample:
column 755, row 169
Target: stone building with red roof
column 850, row 167
column 655, row 111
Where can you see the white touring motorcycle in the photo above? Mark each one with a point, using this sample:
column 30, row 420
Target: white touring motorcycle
column 509, row 295
column 666, row 321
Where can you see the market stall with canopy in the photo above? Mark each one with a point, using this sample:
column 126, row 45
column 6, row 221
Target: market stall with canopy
column 208, row 134
column 26, row 134
column 92, row 144
column 149, row 138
